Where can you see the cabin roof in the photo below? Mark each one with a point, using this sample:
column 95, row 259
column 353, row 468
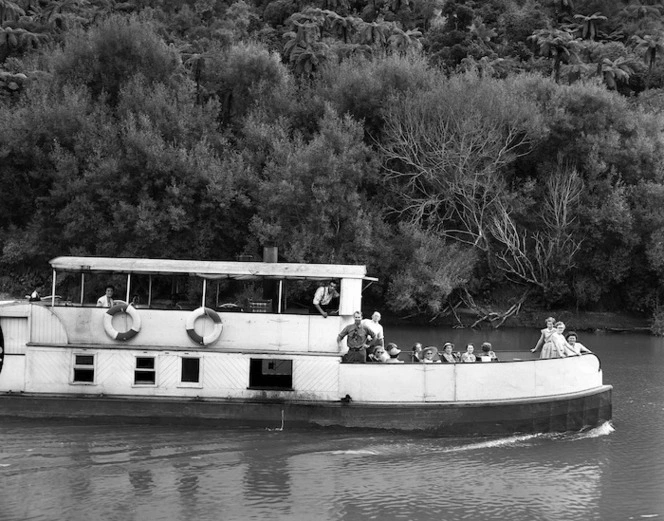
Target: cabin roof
column 210, row 269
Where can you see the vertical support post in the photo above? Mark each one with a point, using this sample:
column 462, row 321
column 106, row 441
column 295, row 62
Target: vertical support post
column 53, row 289
column 149, row 290
column 82, row 287
column 204, row 289
column 128, row 287
column 281, row 290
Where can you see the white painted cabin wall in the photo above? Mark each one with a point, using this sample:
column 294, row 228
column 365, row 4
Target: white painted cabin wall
column 12, row 377
column 350, row 296
column 223, row 375
column 23, row 323
column 166, row 328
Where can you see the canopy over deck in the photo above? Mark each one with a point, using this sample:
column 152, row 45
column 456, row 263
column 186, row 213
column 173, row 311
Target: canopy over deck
column 209, row 269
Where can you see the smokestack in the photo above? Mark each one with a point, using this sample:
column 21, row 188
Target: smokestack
column 270, row 252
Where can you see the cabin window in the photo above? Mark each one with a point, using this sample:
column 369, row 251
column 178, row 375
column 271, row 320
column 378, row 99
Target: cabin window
column 145, row 373
column 84, row 369
column 191, row 370
column 271, row 373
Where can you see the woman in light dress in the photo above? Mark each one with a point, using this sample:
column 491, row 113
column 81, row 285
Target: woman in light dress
column 544, row 342
column 469, row 355
column 560, row 348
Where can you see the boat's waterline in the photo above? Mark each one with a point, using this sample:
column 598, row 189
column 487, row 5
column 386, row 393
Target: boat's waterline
column 572, row 412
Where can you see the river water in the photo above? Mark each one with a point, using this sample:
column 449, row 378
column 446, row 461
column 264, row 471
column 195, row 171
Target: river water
column 74, row 470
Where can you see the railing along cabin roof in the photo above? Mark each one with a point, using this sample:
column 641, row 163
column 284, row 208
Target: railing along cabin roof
column 209, row 269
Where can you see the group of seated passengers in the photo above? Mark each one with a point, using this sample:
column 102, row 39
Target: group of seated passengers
column 430, row 355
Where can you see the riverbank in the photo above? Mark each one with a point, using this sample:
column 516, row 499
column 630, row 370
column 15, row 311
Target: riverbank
column 604, row 321
column 584, row 320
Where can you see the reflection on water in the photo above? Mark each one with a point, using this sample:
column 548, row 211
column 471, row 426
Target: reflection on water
column 82, row 471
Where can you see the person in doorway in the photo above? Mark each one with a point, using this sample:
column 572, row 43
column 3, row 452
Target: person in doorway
column 359, row 337
column 106, row 300
column 326, row 299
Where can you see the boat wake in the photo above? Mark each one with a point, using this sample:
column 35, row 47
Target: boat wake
column 602, row 430
column 493, row 443
column 489, row 443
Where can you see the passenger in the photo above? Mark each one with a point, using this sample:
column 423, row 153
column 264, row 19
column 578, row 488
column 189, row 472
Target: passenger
column 416, row 354
column 35, row 296
column 428, row 354
column 378, row 355
column 487, row 353
column 393, row 352
column 448, row 354
column 544, row 342
column 468, row 356
column 559, row 346
column 373, row 324
column 326, row 299
column 106, row 300
column 135, row 301
column 576, row 346
column 358, row 339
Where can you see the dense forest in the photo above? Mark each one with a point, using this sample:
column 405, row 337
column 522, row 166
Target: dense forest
column 483, row 154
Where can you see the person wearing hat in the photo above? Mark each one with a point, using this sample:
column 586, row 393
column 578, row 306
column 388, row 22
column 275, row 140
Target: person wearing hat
column 378, row 355
column 428, row 355
column 447, row 357
column 393, row 351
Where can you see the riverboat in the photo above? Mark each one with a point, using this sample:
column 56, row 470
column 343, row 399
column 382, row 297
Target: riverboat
column 198, row 346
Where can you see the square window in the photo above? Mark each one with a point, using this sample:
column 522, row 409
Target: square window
column 84, row 369
column 191, row 369
column 145, row 373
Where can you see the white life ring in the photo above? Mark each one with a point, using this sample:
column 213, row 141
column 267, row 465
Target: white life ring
column 207, row 339
column 122, row 308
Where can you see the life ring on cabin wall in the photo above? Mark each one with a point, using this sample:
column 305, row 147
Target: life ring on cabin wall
column 191, row 321
column 122, row 308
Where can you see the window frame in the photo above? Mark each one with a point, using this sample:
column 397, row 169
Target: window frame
column 145, row 370
column 270, row 382
column 75, row 366
column 194, row 385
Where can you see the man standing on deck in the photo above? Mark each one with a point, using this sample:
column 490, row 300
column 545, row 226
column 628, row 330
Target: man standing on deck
column 374, row 325
column 358, row 339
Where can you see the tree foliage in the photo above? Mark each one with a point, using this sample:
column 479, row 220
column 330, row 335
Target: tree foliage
column 421, row 138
